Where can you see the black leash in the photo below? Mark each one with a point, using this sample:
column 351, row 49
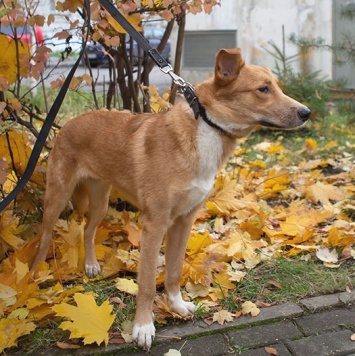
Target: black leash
column 43, row 134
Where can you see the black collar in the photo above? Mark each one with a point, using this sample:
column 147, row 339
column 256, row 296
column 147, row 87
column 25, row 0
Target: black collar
column 205, row 118
column 199, row 110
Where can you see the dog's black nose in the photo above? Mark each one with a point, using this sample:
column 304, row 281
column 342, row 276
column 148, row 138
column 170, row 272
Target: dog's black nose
column 304, row 114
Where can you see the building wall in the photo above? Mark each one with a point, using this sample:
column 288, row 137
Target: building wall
column 259, row 21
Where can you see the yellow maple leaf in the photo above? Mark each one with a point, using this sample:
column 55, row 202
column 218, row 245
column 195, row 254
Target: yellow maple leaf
column 275, row 148
column 200, row 266
column 18, row 153
column 339, row 237
column 11, row 329
column 250, row 308
column 226, row 200
column 134, row 20
column 197, row 242
column 21, row 269
column 195, row 290
column 7, row 294
column 311, row 144
column 127, row 285
column 72, row 244
column 242, row 247
column 276, row 182
column 223, row 279
column 89, row 321
column 323, row 193
column 134, row 230
column 9, row 229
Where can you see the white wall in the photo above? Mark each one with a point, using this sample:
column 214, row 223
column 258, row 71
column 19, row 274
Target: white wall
column 259, row 21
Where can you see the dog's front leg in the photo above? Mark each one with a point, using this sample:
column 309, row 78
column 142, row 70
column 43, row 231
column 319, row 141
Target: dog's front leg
column 143, row 328
column 176, row 241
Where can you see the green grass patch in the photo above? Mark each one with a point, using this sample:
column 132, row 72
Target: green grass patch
column 288, row 280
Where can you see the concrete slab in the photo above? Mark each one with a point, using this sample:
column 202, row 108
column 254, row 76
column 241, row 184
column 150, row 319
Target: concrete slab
column 280, row 348
column 327, row 320
column 263, row 335
column 333, row 343
column 210, row 345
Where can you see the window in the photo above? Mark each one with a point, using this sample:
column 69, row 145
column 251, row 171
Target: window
column 200, row 47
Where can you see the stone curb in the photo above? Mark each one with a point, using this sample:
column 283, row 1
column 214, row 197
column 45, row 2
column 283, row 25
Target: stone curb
column 195, row 330
column 327, row 301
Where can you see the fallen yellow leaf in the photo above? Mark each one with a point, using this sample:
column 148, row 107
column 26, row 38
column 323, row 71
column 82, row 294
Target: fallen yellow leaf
column 88, row 320
column 250, row 308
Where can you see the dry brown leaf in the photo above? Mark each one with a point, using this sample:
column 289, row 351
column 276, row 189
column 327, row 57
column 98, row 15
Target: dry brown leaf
column 67, row 346
column 223, row 316
column 271, row 351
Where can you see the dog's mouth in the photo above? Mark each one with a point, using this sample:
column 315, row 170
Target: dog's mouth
column 269, row 124
column 294, row 125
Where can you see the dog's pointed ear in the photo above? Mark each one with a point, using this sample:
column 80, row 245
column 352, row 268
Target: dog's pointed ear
column 228, row 65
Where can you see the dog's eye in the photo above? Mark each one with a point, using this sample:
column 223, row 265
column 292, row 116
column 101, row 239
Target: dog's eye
column 265, row 89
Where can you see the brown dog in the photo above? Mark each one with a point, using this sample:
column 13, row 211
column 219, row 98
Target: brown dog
column 165, row 165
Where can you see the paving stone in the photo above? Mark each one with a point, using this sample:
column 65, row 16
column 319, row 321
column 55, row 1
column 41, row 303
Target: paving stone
column 334, row 343
column 347, row 298
column 212, row 345
column 262, row 335
column 287, row 310
column 330, row 300
column 327, row 320
column 323, row 301
column 280, row 348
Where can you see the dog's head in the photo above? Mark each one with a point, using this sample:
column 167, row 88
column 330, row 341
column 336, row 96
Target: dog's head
column 241, row 96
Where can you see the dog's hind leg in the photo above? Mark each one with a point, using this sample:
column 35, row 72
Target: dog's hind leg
column 98, row 193
column 176, row 241
column 59, row 189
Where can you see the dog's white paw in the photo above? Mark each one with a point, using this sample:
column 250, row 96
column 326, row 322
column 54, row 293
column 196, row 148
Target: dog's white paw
column 179, row 306
column 92, row 270
column 143, row 335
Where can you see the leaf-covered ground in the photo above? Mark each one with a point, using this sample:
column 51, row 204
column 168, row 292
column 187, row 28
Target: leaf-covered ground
column 281, row 194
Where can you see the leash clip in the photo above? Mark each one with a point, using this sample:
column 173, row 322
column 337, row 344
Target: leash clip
column 187, row 89
column 176, row 79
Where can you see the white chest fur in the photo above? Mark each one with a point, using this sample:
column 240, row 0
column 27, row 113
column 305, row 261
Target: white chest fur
column 210, row 149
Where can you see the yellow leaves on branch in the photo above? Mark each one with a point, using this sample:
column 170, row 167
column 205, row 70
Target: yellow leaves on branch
column 134, row 20
column 88, row 320
column 15, row 149
column 10, row 54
